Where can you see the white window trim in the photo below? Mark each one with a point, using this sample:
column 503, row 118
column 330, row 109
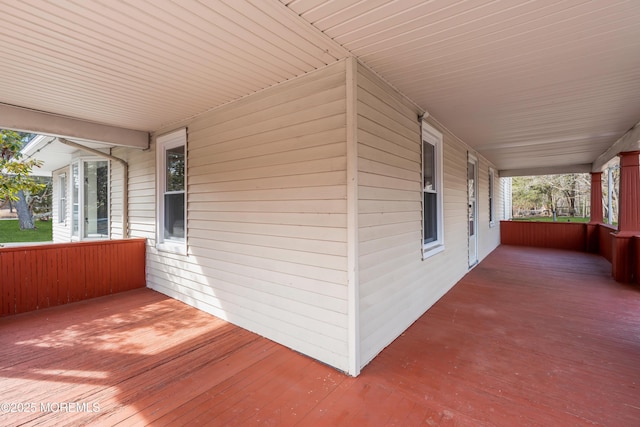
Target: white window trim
column 163, row 143
column 431, row 136
column 492, row 197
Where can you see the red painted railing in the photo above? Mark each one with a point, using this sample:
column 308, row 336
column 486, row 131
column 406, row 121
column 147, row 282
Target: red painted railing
column 556, row 235
column 36, row 277
column 605, row 239
column 636, row 257
column 623, row 254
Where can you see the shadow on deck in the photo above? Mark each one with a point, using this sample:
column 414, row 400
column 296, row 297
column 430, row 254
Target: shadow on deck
column 531, row 336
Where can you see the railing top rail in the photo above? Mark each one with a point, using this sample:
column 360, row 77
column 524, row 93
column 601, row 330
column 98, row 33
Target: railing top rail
column 55, row 246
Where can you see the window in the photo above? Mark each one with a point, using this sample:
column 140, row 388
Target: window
column 90, row 199
column 432, row 206
column 171, row 159
column 62, row 204
column 492, row 178
column 75, row 200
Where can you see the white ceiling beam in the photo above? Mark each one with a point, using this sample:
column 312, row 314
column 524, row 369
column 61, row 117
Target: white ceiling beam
column 630, row 141
column 26, row 120
column 547, row 170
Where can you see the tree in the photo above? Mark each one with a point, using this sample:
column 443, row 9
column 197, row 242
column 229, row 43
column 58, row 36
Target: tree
column 567, row 194
column 15, row 180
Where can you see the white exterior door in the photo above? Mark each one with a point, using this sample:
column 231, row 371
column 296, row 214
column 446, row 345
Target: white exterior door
column 472, row 191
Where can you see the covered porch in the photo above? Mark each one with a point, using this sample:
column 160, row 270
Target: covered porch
column 531, row 336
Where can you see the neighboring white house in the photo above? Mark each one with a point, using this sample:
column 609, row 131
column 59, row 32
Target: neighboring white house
column 82, row 186
column 325, row 213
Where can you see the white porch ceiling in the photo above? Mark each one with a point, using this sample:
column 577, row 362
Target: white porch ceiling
column 529, row 84
column 146, row 64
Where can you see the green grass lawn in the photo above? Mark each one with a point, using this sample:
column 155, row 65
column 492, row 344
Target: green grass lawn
column 550, row 219
column 10, row 232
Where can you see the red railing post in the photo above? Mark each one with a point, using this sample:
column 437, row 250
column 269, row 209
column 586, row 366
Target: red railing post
column 623, row 263
column 592, row 235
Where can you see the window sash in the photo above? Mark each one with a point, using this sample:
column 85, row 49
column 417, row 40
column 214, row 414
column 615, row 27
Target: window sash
column 62, row 203
column 430, row 214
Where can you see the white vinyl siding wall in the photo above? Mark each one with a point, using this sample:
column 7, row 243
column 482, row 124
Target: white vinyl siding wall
column 116, row 171
column 266, row 215
column 396, row 285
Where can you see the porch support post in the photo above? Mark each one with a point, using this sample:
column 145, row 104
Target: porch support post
column 592, row 243
column 623, row 265
column 596, row 198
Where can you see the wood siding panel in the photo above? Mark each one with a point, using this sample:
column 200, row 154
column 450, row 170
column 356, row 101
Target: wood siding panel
column 636, row 258
column 266, row 217
column 37, row 277
column 396, row 285
column 605, row 240
column 557, row 235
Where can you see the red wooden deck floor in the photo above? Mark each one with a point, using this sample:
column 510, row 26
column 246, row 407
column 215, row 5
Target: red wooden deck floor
column 529, row 337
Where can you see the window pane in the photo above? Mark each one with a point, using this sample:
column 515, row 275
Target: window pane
column 62, row 208
column 96, row 199
column 75, row 196
column 430, row 217
column 175, row 169
column 174, row 216
column 471, row 178
column 428, row 165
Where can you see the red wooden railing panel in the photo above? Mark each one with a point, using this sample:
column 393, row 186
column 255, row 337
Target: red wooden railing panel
column 605, row 240
column 636, row 257
column 557, row 235
column 36, row 277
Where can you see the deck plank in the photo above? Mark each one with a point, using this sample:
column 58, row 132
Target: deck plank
column 531, row 336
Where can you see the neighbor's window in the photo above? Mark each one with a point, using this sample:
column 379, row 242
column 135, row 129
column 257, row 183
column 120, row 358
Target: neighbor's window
column 62, row 204
column 90, row 199
column 75, row 200
column 492, row 178
column 172, row 156
column 432, row 207
column 95, row 206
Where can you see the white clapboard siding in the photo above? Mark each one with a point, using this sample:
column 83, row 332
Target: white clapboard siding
column 142, row 199
column 294, row 219
column 116, row 188
column 396, row 285
column 266, row 217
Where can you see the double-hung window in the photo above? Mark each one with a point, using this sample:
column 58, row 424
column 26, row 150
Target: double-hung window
column 62, row 200
column 171, row 179
column 432, row 206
